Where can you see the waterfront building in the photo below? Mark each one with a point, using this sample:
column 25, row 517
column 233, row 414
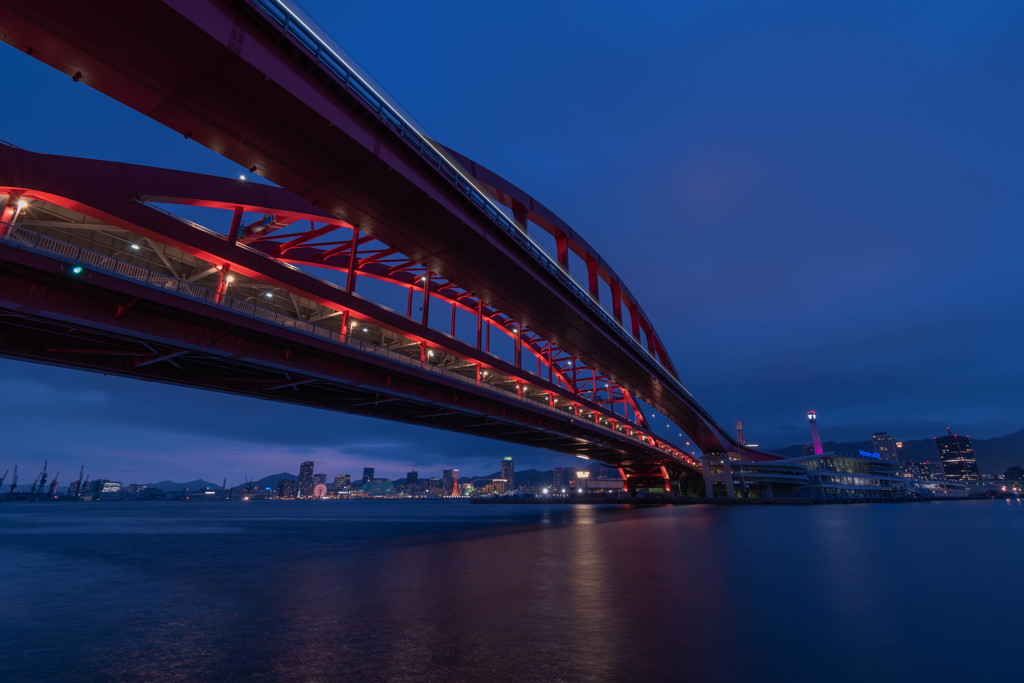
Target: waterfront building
column 320, row 478
column 508, row 473
column 304, row 485
column 341, row 482
column 433, row 486
column 930, row 470
column 285, row 488
column 885, row 446
column 367, row 474
column 586, row 484
column 447, row 482
column 825, row 477
column 957, row 457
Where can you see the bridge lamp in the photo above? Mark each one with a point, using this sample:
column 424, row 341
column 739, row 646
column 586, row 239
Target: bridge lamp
column 365, row 330
column 230, row 279
column 269, row 295
column 77, row 270
column 241, row 177
column 134, row 247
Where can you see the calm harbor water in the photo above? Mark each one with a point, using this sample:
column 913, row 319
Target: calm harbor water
column 451, row 591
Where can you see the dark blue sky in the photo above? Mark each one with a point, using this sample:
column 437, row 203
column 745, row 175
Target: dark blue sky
column 818, row 204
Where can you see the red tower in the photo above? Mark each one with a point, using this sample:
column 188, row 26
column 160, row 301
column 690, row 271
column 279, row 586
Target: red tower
column 739, row 432
column 815, row 437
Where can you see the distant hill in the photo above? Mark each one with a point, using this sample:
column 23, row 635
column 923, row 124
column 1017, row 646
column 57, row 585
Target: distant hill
column 994, row 455
column 178, row 486
column 272, row 480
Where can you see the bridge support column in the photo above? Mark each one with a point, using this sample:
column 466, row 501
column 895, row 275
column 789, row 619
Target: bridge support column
column 592, row 278
column 353, row 261
column 10, row 212
column 222, row 282
column 236, row 224
column 562, row 250
column 717, row 470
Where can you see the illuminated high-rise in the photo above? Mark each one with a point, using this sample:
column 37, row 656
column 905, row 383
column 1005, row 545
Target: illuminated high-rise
column 305, row 481
column 957, row 456
column 367, row 474
column 885, row 446
column 508, row 473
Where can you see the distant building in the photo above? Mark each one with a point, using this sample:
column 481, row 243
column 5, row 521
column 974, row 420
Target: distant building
column 957, row 457
column 341, row 482
column 412, row 482
column 377, row 488
column 285, row 488
column 367, row 474
column 319, row 479
column 885, row 446
column 305, row 482
column 508, row 473
column 111, row 490
column 449, row 483
column 560, row 478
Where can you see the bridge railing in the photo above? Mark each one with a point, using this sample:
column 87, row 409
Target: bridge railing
column 76, row 255
column 293, row 25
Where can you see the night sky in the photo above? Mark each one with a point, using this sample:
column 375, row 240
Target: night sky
column 818, row 204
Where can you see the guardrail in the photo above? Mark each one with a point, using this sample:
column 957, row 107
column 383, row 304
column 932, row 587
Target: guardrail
column 293, row 25
column 75, row 255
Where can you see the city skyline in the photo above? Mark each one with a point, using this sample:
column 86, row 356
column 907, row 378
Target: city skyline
column 807, row 216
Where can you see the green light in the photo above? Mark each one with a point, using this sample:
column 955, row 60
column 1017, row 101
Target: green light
column 77, row 270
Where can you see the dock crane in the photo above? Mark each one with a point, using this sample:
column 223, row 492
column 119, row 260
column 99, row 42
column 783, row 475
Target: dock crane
column 53, row 486
column 42, row 480
column 14, row 482
column 3, row 477
column 78, row 488
column 35, row 483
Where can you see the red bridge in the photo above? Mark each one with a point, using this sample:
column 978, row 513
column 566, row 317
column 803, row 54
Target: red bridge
column 431, row 303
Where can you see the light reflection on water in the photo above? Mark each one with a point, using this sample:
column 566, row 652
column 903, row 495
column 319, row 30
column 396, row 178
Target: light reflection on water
column 451, row 591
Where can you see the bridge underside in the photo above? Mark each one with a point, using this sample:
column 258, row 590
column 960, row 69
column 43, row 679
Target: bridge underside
column 243, row 79
column 93, row 276
column 106, row 327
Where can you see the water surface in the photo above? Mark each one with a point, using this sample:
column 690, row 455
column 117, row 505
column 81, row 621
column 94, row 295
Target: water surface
column 418, row 590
